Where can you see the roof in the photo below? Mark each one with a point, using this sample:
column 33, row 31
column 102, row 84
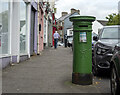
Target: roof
column 114, row 26
column 70, row 27
column 64, row 17
column 103, row 22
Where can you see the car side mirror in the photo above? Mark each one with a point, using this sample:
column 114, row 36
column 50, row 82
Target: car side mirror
column 95, row 38
column 117, row 47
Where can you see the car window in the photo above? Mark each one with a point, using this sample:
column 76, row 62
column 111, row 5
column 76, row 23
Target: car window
column 110, row 33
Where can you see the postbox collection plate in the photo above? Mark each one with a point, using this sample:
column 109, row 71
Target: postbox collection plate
column 83, row 37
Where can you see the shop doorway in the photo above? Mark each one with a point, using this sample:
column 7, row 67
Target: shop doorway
column 32, row 31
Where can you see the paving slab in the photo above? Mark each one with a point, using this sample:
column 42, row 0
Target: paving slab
column 50, row 72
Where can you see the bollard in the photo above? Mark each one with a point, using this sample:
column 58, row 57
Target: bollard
column 82, row 49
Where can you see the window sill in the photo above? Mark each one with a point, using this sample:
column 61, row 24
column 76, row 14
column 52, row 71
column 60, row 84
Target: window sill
column 5, row 55
column 8, row 55
column 23, row 54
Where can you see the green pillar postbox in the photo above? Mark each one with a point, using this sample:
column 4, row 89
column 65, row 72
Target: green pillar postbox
column 82, row 49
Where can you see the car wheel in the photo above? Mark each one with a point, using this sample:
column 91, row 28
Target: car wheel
column 68, row 45
column 114, row 82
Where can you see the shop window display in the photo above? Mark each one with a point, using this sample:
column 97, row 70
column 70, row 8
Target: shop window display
column 22, row 27
column 4, row 31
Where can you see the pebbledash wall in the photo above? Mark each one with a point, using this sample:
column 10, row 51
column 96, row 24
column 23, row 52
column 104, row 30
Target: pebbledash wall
column 41, row 27
column 15, row 31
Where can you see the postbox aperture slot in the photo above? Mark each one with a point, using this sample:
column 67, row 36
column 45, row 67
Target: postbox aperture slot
column 83, row 25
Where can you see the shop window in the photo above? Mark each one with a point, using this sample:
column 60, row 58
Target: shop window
column 22, row 27
column 4, row 33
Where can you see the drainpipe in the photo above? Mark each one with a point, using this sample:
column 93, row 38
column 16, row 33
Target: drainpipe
column 10, row 28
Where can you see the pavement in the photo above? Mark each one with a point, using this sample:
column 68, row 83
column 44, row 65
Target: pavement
column 50, row 72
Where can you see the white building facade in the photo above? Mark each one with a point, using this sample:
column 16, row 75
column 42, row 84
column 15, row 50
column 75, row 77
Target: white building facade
column 19, row 30
column 14, row 32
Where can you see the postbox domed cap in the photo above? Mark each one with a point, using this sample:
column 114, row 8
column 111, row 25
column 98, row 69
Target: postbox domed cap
column 82, row 18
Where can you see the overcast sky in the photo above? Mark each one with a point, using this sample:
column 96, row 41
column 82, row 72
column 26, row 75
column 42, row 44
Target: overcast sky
column 98, row 8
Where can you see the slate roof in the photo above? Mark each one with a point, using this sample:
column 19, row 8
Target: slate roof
column 64, row 17
column 70, row 27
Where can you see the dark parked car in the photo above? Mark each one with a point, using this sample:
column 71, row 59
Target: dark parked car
column 115, row 71
column 93, row 42
column 103, row 49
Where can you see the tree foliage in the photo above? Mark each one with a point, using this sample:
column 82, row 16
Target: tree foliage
column 113, row 19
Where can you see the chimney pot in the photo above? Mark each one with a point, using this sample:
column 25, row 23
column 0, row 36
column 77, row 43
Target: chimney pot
column 64, row 13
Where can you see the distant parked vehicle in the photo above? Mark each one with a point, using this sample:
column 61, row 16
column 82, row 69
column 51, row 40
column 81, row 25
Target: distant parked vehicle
column 103, row 48
column 115, row 71
column 60, row 43
column 69, row 41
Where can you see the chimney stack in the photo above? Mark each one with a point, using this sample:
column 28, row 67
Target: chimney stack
column 74, row 10
column 64, row 13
